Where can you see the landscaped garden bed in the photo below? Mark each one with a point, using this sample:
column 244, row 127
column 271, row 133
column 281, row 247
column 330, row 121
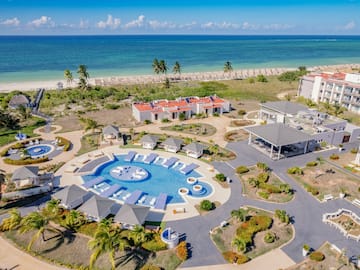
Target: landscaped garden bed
column 324, row 179
column 346, row 160
column 249, row 233
column 198, row 129
column 236, row 135
column 241, row 123
column 260, row 183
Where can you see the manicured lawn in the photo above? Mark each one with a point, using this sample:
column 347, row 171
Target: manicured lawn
column 8, row 135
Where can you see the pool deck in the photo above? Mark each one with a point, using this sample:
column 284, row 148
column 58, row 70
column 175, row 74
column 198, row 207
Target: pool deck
column 219, row 194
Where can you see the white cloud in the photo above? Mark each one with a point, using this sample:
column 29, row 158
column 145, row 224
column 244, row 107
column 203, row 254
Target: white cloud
column 137, row 23
column 83, row 24
column 223, row 25
column 249, row 26
column 188, row 25
column 112, row 23
column 161, row 25
column 42, row 21
column 349, row 26
column 11, row 22
column 277, row 26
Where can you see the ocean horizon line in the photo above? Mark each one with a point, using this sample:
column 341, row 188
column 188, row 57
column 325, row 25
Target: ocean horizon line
column 177, row 35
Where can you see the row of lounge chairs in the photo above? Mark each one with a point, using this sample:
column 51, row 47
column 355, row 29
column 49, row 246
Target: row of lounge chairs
column 116, row 192
column 186, row 169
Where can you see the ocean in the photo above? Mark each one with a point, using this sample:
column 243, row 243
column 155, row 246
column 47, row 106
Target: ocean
column 39, row 58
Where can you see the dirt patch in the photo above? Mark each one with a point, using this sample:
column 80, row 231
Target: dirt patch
column 326, row 179
column 199, row 129
column 245, row 105
column 345, row 160
column 333, row 260
column 121, row 117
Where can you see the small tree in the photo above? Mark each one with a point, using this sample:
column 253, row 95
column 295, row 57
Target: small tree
column 262, row 166
column 220, row 177
column 182, row 116
column 206, row 205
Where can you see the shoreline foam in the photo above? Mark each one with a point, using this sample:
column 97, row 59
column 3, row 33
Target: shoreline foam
column 146, row 79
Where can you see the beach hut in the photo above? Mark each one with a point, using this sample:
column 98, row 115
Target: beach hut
column 131, row 215
column 19, row 100
column 149, row 141
column 72, row 196
column 27, row 175
column 172, row 145
column 98, row 208
column 194, row 150
column 111, row 132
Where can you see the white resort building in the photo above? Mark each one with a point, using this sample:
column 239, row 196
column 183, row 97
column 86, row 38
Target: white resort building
column 172, row 109
column 342, row 88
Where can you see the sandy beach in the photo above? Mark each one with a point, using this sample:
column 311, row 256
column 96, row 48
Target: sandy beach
column 194, row 76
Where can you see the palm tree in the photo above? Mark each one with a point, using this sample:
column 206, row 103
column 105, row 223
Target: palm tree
column 156, row 66
column 68, row 76
column 107, row 239
column 337, row 109
column 239, row 243
column 177, row 68
column 34, row 221
column 74, row 219
column 138, row 235
column 83, row 77
column 24, row 112
column 11, row 222
column 228, row 67
column 163, row 66
column 51, row 208
column 89, row 124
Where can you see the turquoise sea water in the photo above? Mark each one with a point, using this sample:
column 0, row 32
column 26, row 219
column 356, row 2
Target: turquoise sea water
column 33, row 58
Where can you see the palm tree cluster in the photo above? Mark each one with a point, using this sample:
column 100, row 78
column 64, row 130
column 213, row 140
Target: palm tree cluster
column 8, row 121
column 228, row 67
column 109, row 238
column 160, row 67
column 83, row 77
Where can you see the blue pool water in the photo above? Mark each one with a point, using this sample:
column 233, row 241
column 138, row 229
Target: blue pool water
column 160, row 180
column 38, row 150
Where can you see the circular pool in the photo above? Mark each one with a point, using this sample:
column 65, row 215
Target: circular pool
column 39, row 150
column 129, row 173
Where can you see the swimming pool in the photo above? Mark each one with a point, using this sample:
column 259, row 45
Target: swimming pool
column 39, row 150
column 159, row 179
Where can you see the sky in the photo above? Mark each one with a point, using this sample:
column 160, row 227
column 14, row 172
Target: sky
column 126, row 17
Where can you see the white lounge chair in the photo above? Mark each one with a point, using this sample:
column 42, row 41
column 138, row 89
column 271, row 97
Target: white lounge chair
column 152, row 201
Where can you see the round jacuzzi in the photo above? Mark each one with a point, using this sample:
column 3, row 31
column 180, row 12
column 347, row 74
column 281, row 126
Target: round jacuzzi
column 183, row 191
column 197, row 188
column 191, row 180
column 39, row 150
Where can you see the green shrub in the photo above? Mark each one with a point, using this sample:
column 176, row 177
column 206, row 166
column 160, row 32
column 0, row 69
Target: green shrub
column 255, row 224
column 314, row 191
column 165, row 120
column 220, row 177
column 317, row 256
column 262, row 166
column 182, row 116
column 261, row 78
column 216, row 114
column 285, row 188
column 264, row 194
column 263, row 177
column 282, row 216
column 155, row 244
column 206, row 205
column 25, row 161
column 311, row 164
column 251, row 80
column 270, row 188
column 323, row 144
column 242, row 169
column 241, row 259
column 334, row 157
column 147, row 122
column 269, row 237
column 354, row 150
column 295, row 170
column 110, row 106
column 241, row 112
column 306, row 247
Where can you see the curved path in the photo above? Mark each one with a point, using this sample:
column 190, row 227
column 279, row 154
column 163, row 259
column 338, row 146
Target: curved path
column 305, row 210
